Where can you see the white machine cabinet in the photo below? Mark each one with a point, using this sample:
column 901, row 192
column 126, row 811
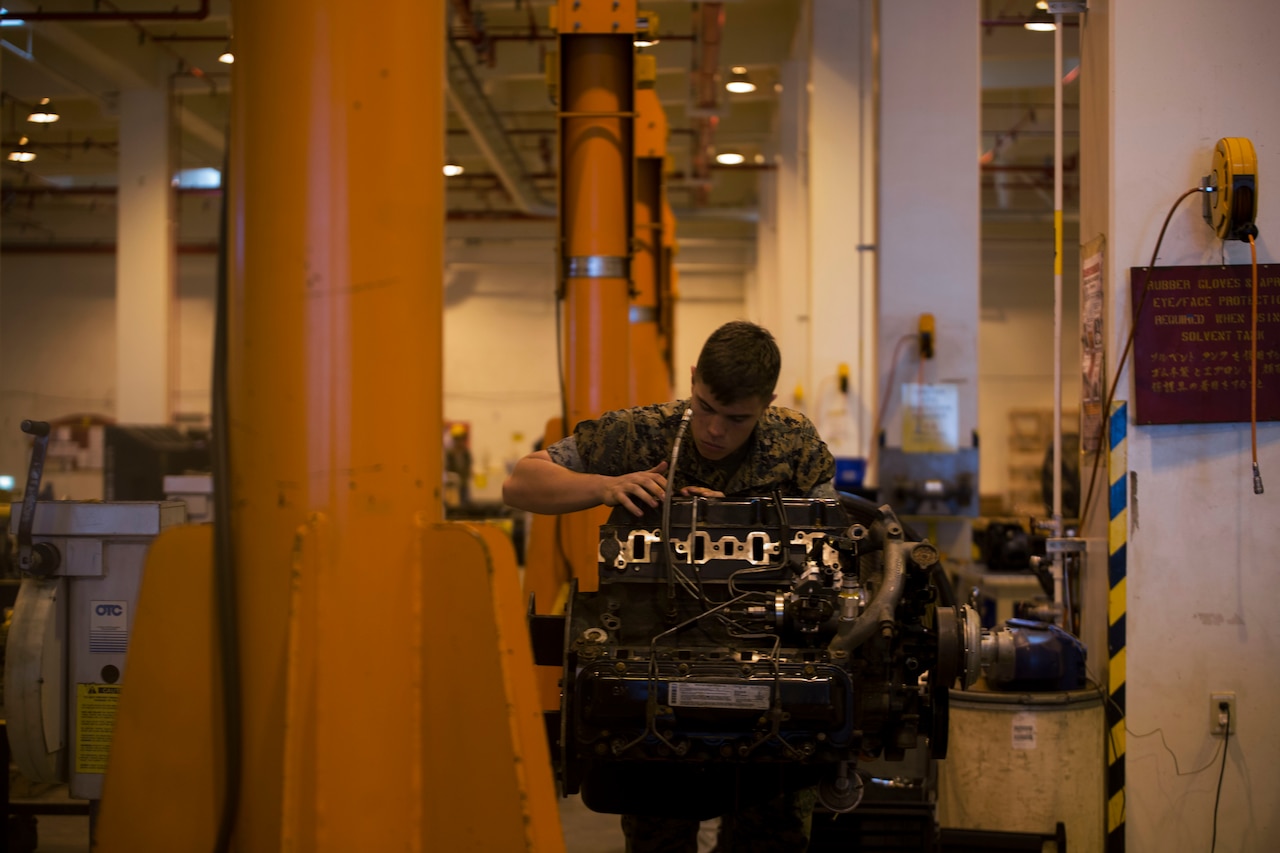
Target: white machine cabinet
column 65, row 657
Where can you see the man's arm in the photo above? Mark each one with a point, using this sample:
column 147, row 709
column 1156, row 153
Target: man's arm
column 539, row 484
column 825, row 490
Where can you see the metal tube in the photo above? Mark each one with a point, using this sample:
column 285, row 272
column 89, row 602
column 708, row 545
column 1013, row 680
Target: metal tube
column 851, row 634
column 1056, row 566
column 119, row 15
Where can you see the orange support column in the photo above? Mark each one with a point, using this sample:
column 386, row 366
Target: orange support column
column 386, row 683
column 597, row 118
column 335, row 397
column 668, row 286
column 650, row 369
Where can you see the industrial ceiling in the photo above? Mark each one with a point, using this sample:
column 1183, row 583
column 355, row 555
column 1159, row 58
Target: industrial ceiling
column 500, row 129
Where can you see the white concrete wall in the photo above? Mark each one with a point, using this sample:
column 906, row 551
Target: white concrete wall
column 1202, row 582
column 929, row 197
column 1015, row 340
column 57, row 341
column 58, row 348
column 841, row 226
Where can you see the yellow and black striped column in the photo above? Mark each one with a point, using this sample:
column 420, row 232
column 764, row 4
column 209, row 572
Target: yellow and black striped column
column 1117, row 541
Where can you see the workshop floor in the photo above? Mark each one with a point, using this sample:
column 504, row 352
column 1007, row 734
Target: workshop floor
column 585, row 831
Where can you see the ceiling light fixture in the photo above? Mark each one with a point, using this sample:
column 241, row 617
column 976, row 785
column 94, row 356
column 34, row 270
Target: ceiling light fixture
column 21, row 154
column 1042, row 5
column 1040, row 22
column 452, row 170
column 730, row 158
column 646, row 30
column 227, row 57
column 44, row 113
column 739, row 83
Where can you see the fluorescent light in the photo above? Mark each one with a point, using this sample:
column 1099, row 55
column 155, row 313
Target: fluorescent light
column 205, row 178
column 452, row 170
column 730, row 158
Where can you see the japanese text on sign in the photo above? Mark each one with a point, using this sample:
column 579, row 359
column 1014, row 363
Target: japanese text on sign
column 1193, row 343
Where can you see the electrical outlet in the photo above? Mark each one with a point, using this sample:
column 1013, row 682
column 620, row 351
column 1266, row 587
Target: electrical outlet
column 1216, row 703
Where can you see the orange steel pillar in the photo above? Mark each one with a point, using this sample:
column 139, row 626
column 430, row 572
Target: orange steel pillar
column 650, row 366
column 596, row 120
column 593, row 82
column 387, row 690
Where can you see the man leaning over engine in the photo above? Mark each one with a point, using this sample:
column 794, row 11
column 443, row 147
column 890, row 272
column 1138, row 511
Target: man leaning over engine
column 741, row 445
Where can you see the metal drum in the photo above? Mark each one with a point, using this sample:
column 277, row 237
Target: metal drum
column 1022, row 762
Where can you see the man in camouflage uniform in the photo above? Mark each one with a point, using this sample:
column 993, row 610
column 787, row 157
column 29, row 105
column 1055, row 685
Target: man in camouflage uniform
column 740, row 445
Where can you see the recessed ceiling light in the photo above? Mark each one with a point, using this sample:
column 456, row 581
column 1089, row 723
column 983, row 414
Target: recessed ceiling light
column 730, row 158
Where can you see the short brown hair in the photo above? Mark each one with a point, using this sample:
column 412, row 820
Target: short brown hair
column 740, row 360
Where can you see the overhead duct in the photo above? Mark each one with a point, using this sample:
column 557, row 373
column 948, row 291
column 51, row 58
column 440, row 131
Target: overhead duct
column 476, row 112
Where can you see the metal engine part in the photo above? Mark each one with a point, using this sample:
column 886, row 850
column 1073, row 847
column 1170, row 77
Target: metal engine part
column 755, row 646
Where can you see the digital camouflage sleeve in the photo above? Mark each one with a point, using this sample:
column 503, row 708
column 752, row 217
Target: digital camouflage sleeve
column 784, row 453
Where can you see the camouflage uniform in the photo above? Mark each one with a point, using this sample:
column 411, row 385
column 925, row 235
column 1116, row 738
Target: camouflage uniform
column 783, row 453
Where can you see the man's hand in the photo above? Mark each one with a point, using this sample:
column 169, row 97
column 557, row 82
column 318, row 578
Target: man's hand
column 700, row 491
column 630, row 490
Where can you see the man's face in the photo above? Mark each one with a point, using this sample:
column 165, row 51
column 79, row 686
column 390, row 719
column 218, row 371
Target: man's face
column 719, row 429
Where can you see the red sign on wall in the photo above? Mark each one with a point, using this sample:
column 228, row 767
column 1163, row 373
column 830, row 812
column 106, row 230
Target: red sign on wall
column 1193, row 343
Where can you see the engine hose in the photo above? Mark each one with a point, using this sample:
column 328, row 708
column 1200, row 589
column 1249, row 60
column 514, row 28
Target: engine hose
column 666, row 507
column 852, row 633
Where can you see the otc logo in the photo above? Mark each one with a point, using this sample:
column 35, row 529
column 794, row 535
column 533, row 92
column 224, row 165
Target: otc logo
column 108, row 627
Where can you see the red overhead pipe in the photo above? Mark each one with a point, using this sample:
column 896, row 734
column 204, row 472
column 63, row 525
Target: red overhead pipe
column 119, row 15
column 710, row 28
column 707, row 58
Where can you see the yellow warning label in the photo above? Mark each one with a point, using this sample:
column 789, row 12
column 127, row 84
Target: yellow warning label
column 95, row 719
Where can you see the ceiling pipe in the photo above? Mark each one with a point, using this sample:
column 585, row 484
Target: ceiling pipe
column 119, row 15
column 706, row 93
column 551, row 36
column 476, row 112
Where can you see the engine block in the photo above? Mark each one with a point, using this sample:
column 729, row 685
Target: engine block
column 738, row 648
